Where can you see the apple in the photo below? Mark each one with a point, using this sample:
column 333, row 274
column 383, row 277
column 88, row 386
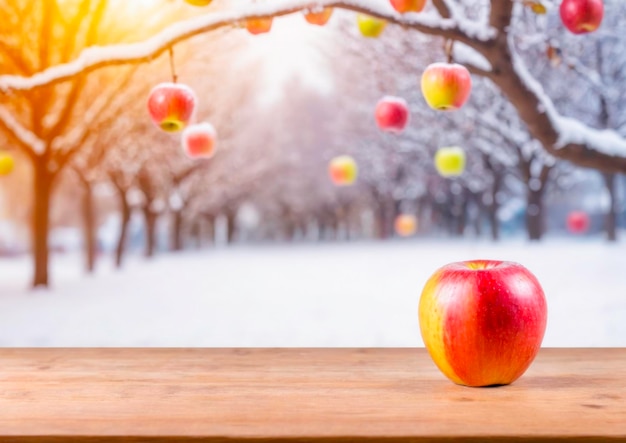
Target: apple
column 199, row 2
column 199, row 140
column 7, row 163
column 578, row 222
column 446, row 86
column 370, row 26
column 171, row 106
column 319, row 17
column 403, row 6
column 581, row 16
column 259, row 25
column 343, row 170
column 392, row 114
column 405, row 225
column 450, row 161
column 482, row 321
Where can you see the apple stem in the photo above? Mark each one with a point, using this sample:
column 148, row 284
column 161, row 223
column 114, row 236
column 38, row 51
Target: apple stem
column 448, row 47
column 172, row 65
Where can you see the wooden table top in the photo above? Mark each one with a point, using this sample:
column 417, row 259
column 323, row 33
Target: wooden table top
column 151, row 394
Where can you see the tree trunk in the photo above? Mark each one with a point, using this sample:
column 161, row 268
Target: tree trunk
column 125, row 210
column 231, row 226
column 89, row 225
column 535, row 214
column 150, row 219
column 498, row 178
column 611, row 215
column 209, row 232
column 43, row 181
column 176, row 234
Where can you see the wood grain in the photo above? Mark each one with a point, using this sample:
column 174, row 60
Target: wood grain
column 150, row 395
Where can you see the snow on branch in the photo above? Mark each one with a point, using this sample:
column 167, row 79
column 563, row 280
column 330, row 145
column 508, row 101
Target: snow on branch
column 570, row 131
column 28, row 140
column 469, row 32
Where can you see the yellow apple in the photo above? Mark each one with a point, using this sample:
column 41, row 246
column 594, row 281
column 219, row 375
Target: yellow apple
column 370, row 26
column 199, row 2
column 343, row 170
column 7, row 163
column 450, row 161
column 446, row 86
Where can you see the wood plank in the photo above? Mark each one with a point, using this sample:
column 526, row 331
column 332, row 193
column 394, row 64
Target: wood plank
column 65, row 395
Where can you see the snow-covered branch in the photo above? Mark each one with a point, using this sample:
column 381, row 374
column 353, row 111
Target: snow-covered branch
column 457, row 28
column 27, row 139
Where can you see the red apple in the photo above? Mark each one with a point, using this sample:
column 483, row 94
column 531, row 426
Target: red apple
column 171, row 106
column 581, row 16
column 403, row 6
column 392, row 114
column 578, row 222
column 343, row 170
column 259, row 25
column 482, row 321
column 199, row 140
column 319, row 17
column 446, row 86
column 405, row 225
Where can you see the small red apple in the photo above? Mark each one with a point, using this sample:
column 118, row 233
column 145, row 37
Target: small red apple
column 578, row 222
column 403, row 6
column 199, row 140
column 171, row 106
column 392, row 114
column 257, row 26
column 319, row 17
column 446, row 86
column 343, row 170
column 483, row 321
column 405, row 225
column 581, row 16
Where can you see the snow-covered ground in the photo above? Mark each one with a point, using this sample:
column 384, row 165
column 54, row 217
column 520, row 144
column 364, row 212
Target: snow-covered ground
column 363, row 294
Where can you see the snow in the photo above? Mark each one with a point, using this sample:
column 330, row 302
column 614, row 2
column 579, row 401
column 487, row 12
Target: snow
column 359, row 294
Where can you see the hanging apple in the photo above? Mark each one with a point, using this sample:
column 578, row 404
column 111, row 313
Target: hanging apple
column 7, row 163
column 581, row 16
column 578, row 222
column 199, row 140
column 369, row 26
column 257, row 26
column 403, row 6
column 171, row 106
column 199, row 2
column 319, row 17
column 450, row 161
column 343, row 170
column 446, row 86
column 405, row 225
column 392, row 114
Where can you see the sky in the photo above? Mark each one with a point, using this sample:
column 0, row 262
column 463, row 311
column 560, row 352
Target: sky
column 292, row 48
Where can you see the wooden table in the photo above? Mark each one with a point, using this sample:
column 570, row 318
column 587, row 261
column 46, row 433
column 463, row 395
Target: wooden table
column 159, row 395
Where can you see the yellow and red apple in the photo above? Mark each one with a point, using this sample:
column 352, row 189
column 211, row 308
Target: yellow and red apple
column 343, row 170
column 392, row 114
column 581, row 16
column 369, row 26
column 171, row 106
column 199, row 140
column 319, row 17
column 259, row 25
column 578, row 222
column 483, row 321
column 405, row 225
column 450, row 161
column 7, row 163
column 446, row 86
column 403, row 6
column 199, row 2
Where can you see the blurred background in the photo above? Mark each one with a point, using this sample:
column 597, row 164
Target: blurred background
column 111, row 236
